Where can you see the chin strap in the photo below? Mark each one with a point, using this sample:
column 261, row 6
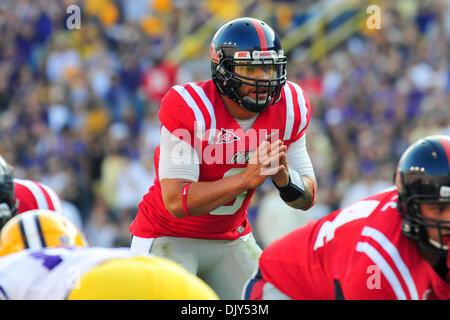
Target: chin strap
column 251, row 105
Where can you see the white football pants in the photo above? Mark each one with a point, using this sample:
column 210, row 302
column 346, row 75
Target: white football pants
column 225, row 265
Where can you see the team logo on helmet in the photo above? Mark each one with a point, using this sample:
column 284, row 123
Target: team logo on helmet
column 214, row 55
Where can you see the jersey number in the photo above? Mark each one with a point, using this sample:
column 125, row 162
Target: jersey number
column 237, row 202
column 359, row 210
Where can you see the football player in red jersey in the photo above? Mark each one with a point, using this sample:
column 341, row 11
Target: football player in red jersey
column 20, row 195
column 220, row 140
column 32, row 195
column 393, row 245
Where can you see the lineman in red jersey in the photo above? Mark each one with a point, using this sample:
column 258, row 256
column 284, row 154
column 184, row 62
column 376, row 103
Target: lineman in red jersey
column 368, row 250
column 20, row 195
column 31, row 195
column 220, row 140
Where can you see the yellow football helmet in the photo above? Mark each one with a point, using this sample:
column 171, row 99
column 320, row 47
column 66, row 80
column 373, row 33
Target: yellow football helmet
column 141, row 278
column 36, row 229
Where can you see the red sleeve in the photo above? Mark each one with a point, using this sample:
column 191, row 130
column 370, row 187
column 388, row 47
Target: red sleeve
column 294, row 268
column 177, row 117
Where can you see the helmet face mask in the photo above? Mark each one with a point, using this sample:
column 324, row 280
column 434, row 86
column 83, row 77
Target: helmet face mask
column 6, row 213
column 423, row 178
column 416, row 223
column 251, row 43
column 8, row 205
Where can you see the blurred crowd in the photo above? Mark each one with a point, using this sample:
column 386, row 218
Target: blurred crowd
column 78, row 108
column 372, row 96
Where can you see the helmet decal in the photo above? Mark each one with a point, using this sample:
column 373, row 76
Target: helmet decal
column 261, row 35
column 444, row 192
column 31, row 231
column 446, row 145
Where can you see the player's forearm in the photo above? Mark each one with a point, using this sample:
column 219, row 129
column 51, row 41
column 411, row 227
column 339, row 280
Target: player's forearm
column 203, row 197
column 206, row 196
column 308, row 199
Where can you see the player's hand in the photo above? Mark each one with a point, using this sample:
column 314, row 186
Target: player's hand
column 281, row 178
column 265, row 162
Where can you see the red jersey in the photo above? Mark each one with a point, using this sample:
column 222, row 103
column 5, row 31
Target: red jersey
column 195, row 113
column 358, row 252
column 32, row 195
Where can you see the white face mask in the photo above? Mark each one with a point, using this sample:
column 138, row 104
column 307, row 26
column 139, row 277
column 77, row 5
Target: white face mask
column 438, row 244
column 5, row 212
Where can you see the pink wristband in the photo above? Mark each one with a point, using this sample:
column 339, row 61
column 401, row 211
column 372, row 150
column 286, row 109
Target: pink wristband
column 184, row 197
